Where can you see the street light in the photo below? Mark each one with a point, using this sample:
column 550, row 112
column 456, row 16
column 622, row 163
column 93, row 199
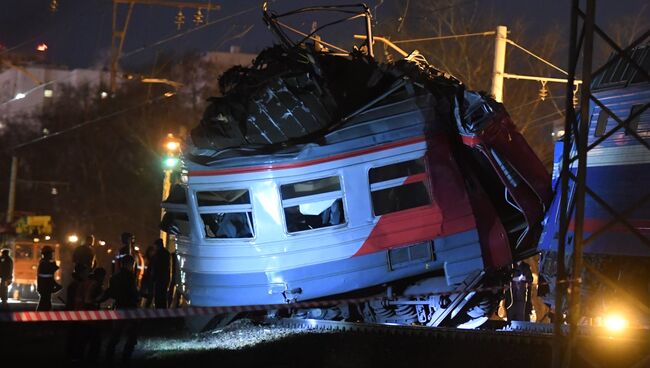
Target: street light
column 73, row 238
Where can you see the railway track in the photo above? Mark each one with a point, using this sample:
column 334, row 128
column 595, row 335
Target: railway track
column 515, row 332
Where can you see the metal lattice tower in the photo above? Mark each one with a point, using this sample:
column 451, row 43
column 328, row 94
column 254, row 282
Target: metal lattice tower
column 584, row 31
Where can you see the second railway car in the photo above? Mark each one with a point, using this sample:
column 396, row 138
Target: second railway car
column 618, row 172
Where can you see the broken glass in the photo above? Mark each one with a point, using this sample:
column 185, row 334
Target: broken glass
column 228, row 225
column 176, row 223
column 313, row 204
column 302, row 217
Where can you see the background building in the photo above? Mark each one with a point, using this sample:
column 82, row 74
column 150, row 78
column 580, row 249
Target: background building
column 26, row 90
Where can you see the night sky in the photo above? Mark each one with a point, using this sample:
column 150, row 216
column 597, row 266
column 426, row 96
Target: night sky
column 78, row 34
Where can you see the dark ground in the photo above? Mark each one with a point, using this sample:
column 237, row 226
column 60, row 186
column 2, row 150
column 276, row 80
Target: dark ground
column 44, row 344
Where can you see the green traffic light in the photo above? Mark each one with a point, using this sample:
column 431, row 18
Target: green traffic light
column 171, row 162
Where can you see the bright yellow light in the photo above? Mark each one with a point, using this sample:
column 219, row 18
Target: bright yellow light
column 47, row 237
column 102, row 243
column 73, row 238
column 36, row 240
column 41, row 47
column 615, row 322
column 172, row 145
column 168, row 94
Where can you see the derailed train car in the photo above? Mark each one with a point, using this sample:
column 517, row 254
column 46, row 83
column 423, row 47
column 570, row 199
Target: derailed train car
column 320, row 174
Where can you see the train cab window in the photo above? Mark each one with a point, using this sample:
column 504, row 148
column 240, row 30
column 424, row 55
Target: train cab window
column 175, row 223
column 397, row 187
column 634, row 123
column 313, row 204
column 226, row 214
column 601, row 123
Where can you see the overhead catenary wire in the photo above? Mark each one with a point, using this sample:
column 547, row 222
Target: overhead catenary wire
column 115, row 113
column 437, row 38
column 486, row 33
column 39, row 86
column 181, row 34
column 513, row 43
column 87, row 122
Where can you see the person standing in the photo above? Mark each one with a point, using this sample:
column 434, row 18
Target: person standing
column 45, row 283
column 128, row 245
column 84, row 255
column 122, row 288
column 6, row 275
column 146, row 284
column 129, row 248
column 161, row 272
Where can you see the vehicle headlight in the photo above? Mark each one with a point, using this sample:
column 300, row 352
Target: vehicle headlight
column 615, row 322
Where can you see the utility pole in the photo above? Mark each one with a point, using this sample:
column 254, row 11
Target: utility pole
column 498, row 69
column 11, row 202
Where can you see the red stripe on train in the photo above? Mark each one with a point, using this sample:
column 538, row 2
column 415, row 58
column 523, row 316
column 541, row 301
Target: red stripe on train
column 293, row 165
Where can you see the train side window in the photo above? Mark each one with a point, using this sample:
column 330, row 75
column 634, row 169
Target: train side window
column 226, row 214
column 601, row 123
column 634, row 123
column 397, row 187
column 223, row 197
column 644, row 62
column 176, row 223
column 313, row 204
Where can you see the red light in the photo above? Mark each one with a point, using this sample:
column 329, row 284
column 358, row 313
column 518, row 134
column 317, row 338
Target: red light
column 41, row 47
